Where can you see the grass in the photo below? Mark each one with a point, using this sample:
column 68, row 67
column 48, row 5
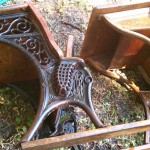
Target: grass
column 114, row 104
column 16, row 114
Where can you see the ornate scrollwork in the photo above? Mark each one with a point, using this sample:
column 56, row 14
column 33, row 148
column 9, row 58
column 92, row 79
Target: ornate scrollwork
column 69, row 80
column 35, row 47
column 50, row 67
column 53, row 97
column 19, row 29
column 67, row 121
column 19, row 25
column 70, row 77
column 77, row 86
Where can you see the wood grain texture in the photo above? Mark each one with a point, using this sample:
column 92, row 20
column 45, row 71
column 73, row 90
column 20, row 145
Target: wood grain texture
column 145, row 95
column 146, row 65
column 14, row 8
column 130, row 51
column 93, row 30
column 14, row 65
column 69, row 50
column 143, row 147
column 112, row 45
column 41, row 24
column 87, row 136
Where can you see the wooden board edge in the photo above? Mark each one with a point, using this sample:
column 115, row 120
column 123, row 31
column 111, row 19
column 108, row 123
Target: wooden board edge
column 87, row 136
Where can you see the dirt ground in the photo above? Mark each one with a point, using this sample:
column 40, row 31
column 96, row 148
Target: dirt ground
column 113, row 103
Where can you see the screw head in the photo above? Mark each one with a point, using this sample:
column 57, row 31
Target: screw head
column 88, row 79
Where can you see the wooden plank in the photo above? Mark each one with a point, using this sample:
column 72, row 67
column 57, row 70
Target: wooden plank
column 145, row 95
column 146, row 65
column 130, row 51
column 87, row 136
column 42, row 26
column 118, row 7
column 15, row 66
column 69, row 50
column 143, row 147
column 144, row 74
column 94, row 33
column 13, row 8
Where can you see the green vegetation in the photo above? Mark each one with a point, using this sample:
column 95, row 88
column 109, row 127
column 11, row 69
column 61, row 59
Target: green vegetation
column 16, row 115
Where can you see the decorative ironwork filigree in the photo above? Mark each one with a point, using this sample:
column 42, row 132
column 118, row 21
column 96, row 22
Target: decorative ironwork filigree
column 19, row 29
column 67, row 122
column 69, row 80
column 21, row 25
column 77, row 85
column 50, row 67
column 35, row 47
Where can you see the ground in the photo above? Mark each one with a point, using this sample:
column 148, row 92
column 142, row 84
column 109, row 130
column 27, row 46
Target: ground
column 113, row 103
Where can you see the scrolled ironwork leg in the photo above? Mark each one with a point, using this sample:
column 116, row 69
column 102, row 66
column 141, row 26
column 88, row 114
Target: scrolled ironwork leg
column 55, row 105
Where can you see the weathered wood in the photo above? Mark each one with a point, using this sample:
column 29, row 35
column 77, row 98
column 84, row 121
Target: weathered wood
column 69, row 50
column 117, row 8
column 143, row 147
column 129, row 52
column 146, row 65
column 144, row 74
column 109, row 39
column 39, row 21
column 14, row 65
column 133, row 46
column 87, row 136
column 14, row 8
column 145, row 95
column 110, row 74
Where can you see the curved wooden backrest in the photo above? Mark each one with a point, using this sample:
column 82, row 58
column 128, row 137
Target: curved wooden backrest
column 119, row 36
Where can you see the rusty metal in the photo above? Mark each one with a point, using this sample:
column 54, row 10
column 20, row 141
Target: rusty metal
column 65, row 82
